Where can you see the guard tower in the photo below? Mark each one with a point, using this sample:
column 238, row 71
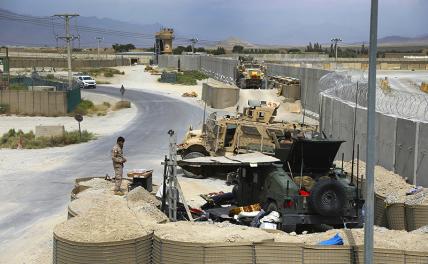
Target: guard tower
column 164, row 41
column 4, row 68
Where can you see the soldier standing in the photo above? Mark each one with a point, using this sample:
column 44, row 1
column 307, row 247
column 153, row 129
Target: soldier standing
column 118, row 161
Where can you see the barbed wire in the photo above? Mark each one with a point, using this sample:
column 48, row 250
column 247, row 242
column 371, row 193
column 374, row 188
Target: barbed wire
column 390, row 101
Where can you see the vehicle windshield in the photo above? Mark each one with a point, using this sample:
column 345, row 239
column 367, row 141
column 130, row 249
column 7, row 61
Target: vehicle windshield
column 87, row 78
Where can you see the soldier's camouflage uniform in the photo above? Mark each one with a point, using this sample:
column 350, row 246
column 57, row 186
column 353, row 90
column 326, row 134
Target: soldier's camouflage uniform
column 118, row 160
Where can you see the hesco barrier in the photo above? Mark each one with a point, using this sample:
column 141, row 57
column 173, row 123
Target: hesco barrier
column 416, row 216
column 278, row 253
column 396, row 216
column 414, row 257
column 167, row 251
column 381, row 256
column 80, row 188
column 120, row 252
column 380, row 211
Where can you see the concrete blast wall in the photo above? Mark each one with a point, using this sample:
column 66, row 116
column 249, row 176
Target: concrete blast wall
column 190, row 63
column 401, row 145
column 35, row 103
column 21, row 62
column 222, row 69
column 309, row 79
column 168, row 61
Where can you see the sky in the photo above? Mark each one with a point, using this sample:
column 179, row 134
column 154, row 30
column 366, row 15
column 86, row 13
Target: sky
column 257, row 21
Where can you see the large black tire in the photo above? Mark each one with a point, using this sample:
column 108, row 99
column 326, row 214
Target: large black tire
column 193, row 172
column 328, row 197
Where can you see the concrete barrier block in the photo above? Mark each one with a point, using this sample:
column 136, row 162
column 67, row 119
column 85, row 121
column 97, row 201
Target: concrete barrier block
column 405, row 148
column 422, row 162
column 50, row 131
column 385, row 140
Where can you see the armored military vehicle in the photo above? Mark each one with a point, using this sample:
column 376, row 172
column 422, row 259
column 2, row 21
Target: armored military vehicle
column 305, row 188
column 253, row 130
column 249, row 73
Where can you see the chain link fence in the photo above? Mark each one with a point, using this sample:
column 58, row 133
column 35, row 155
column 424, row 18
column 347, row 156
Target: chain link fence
column 392, row 102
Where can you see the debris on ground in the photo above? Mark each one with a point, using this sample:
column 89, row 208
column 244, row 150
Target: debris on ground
column 190, row 94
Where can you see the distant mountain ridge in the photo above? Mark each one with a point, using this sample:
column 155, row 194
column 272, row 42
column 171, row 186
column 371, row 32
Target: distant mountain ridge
column 30, row 34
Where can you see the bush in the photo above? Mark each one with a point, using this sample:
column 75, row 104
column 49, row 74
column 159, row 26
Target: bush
column 108, row 74
column 50, row 76
column 190, row 77
column 4, row 108
column 11, row 139
column 18, row 87
column 84, row 107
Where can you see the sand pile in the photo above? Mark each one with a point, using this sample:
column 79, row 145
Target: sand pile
column 383, row 238
column 148, row 213
column 82, row 205
column 141, row 194
column 93, row 193
column 421, row 230
column 387, row 184
column 210, row 233
column 103, row 224
column 98, row 183
column 420, row 198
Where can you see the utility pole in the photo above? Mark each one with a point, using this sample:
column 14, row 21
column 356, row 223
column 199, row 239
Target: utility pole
column 371, row 136
column 335, row 41
column 194, row 41
column 68, row 38
column 99, row 39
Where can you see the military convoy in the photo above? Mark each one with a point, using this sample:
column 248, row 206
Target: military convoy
column 249, row 73
column 253, row 130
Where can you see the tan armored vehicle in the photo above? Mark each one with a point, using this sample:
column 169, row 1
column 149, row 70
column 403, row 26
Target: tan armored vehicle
column 253, row 130
column 250, row 73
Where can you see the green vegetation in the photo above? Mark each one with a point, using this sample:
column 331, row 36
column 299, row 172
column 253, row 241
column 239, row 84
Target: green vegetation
column 4, row 108
column 180, row 49
column 121, row 105
column 102, row 82
column 190, row 77
column 12, row 139
column 237, row 49
column 106, row 72
column 18, row 87
column 218, row 51
column 87, row 107
column 123, row 47
column 50, row 76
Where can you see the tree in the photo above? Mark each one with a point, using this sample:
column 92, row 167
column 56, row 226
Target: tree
column 237, row 49
column 219, row 51
column 123, row 47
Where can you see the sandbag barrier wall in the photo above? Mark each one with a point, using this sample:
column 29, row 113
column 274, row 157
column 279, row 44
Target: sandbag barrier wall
column 219, row 97
column 309, row 79
column 35, row 102
column 401, row 148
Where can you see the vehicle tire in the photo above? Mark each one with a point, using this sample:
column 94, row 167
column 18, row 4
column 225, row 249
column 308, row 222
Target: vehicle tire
column 193, row 172
column 271, row 206
column 328, row 197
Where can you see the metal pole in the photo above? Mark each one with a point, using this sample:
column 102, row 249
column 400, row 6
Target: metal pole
column 353, row 135
column 98, row 50
column 371, row 142
column 68, row 38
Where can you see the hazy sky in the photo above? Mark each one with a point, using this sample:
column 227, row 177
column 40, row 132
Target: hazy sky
column 258, row 21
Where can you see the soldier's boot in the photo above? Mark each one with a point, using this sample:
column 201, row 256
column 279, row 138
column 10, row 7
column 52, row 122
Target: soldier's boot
column 120, row 193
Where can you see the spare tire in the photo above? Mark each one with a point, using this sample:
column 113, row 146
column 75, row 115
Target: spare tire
column 193, row 172
column 328, row 197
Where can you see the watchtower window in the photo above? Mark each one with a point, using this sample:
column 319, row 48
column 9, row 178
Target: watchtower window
column 250, row 113
column 261, row 114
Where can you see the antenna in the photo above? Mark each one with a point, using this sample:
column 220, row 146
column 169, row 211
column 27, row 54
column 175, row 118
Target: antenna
column 353, row 136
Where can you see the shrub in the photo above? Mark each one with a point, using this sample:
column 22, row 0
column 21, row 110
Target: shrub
column 50, row 76
column 29, row 141
column 108, row 74
column 84, row 107
column 4, row 108
column 18, row 87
